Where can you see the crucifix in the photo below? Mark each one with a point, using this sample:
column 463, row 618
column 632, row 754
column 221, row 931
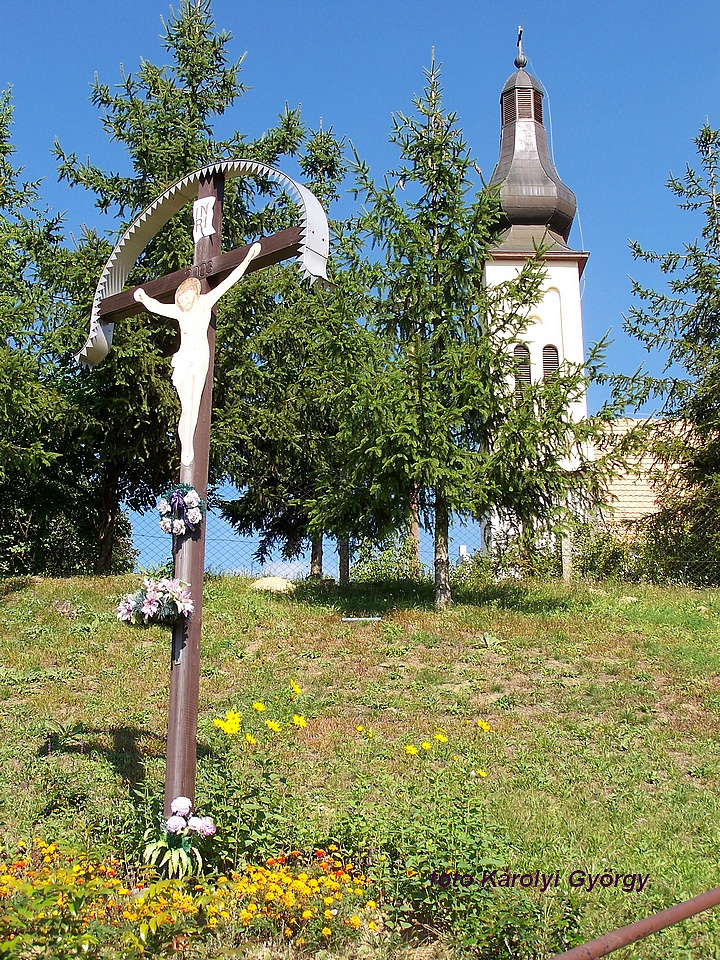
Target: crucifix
column 196, row 291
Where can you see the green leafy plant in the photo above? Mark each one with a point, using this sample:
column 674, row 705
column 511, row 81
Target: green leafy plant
column 176, row 852
column 392, row 559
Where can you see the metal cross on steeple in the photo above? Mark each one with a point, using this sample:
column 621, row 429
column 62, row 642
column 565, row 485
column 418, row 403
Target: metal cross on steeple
column 520, row 59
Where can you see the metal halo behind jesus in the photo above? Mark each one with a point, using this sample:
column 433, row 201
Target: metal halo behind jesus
column 312, row 255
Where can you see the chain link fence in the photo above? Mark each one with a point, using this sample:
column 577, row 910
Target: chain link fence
column 230, row 554
column 670, row 546
column 667, row 547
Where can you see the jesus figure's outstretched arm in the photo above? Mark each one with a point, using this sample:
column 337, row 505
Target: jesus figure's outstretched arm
column 214, row 295
column 156, row 306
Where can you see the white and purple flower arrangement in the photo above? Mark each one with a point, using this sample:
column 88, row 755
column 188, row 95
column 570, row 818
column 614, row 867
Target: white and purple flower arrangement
column 181, row 510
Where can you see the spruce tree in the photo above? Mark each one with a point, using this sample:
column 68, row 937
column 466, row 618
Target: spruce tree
column 164, row 117
column 46, row 493
column 680, row 325
column 280, row 410
column 432, row 419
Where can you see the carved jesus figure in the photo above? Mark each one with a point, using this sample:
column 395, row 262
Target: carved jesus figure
column 192, row 310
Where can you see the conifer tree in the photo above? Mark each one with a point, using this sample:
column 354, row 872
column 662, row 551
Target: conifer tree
column 281, row 411
column 433, row 415
column 680, row 325
column 46, row 523
column 164, row 117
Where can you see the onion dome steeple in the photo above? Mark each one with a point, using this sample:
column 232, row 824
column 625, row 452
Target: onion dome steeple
column 536, row 204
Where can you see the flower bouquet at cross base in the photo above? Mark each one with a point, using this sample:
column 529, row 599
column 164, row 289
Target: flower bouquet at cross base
column 157, row 601
column 175, row 853
column 181, row 510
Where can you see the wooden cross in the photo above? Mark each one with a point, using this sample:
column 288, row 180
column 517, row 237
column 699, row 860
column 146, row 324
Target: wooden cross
column 211, row 267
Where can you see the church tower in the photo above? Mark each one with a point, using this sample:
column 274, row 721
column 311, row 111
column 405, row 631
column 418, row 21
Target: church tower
column 538, row 209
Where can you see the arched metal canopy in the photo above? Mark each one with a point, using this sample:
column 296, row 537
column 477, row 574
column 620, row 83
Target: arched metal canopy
column 312, row 255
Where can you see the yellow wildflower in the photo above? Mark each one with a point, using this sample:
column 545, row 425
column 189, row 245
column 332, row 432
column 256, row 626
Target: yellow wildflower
column 295, row 688
column 440, row 737
column 273, row 725
column 484, row 725
column 359, row 728
column 354, row 921
column 426, row 746
column 230, row 724
column 371, row 904
column 258, row 706
column 326, row 931
column 409, row 749
column 299, row 720
column 372, row 925
column 481, row 773
column 249, row 738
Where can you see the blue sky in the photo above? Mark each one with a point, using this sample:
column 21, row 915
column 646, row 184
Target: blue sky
column 629, row 84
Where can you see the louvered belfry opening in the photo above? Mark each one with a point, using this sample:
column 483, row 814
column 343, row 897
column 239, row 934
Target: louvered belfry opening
column 509, row 110
column 551, row 360
column 537, row 103
column 522, row 103
column 522, row 369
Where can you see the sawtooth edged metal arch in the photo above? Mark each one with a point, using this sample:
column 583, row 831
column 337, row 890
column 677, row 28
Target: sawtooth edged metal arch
column 312, row 256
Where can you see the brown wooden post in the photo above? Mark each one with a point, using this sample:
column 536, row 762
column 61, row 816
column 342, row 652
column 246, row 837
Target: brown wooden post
column 190, row 559
column 343, row 546
column 316, row 557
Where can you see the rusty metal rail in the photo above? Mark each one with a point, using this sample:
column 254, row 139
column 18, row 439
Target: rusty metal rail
column 642, row 928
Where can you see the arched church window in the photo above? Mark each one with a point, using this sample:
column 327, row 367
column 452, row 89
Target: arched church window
column 522, row 369
column 551, row 360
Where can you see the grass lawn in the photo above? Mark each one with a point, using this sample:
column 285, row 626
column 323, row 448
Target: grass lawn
column 565, row 729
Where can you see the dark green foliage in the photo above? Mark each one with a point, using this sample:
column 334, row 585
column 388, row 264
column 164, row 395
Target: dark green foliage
column 678, row 545
column 48, row 511
column 393, row 560
column 164, row 117
column 278, row 433
column 29, row 406
column 682, row 326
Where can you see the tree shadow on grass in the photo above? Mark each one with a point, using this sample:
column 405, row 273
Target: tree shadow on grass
column 367, row 599
column 384, row 597
column 522, row 596
column 124, row 755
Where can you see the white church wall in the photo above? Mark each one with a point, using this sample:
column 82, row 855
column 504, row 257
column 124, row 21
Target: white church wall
column 555, row 321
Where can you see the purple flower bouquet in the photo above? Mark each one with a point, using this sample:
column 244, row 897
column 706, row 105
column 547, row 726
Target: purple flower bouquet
column 181, row 510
